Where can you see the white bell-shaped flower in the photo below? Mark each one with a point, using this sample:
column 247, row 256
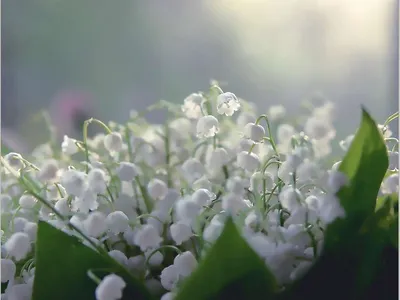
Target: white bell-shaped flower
column 156, row 258
column 192, row 106
column 254, row 132
column 113, row 142
column 8, row 270
column 157, row 188
column 31, row 230
column 336, row 180
column 110, row 288
column 119, row 256
column 27, row 201
column 217, row 158
column 248, row 161
column 117, row 222
column 48, row 170
column 74, row 182
column 390, row 184
column 62, row 206
column 147, row 237
column 187, row 210
column 19, row 291
column 169, row 277
column 207, row 126
column 95, row 224
column 127, row 171
column 168, row 296
column 203, row 197
column 185, row 263
column 180, row 232
column 290, row 198
column 18, row 245
column 97, row 181
column 227, row 104
column 193, row 169
column 68, row 146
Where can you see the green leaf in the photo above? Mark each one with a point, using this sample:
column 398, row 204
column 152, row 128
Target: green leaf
column 354, row 245
column 62, row 263
column 231, row 269
column 365, row 165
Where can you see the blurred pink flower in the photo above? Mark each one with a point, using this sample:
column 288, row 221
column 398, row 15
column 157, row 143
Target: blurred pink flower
column 69, row 111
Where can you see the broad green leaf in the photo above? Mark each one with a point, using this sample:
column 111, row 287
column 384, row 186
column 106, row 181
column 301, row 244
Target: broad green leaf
column 230, row 270
column 354, row 245
column 365, row 165
column 62, row 262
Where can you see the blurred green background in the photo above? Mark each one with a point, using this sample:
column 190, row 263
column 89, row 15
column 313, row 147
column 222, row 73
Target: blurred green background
column 128, row 54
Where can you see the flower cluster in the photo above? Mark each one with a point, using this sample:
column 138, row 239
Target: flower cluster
column 142, row 191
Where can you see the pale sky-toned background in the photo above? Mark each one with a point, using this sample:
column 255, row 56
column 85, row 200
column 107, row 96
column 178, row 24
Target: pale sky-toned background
column 131, row 53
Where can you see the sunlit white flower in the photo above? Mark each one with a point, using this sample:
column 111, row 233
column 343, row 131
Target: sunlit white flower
column 217, row 158
column 254, row 132
column 15, row 160
column 68, row 146
column 193, row 169
column 207, row 126
column 227, row 104
column 113, row 142
column 248, row 161
column 73, row 182
column 192, row 106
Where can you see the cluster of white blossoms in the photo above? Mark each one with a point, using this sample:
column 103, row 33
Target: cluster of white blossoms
column 141, row 188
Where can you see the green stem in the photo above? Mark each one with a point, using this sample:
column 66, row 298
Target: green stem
column 160, row 248
column 85, row 136
column 145, row 195
column 271, row 139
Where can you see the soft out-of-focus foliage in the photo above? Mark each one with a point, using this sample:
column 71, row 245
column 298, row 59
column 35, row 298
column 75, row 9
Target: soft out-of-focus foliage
column 132, row 53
